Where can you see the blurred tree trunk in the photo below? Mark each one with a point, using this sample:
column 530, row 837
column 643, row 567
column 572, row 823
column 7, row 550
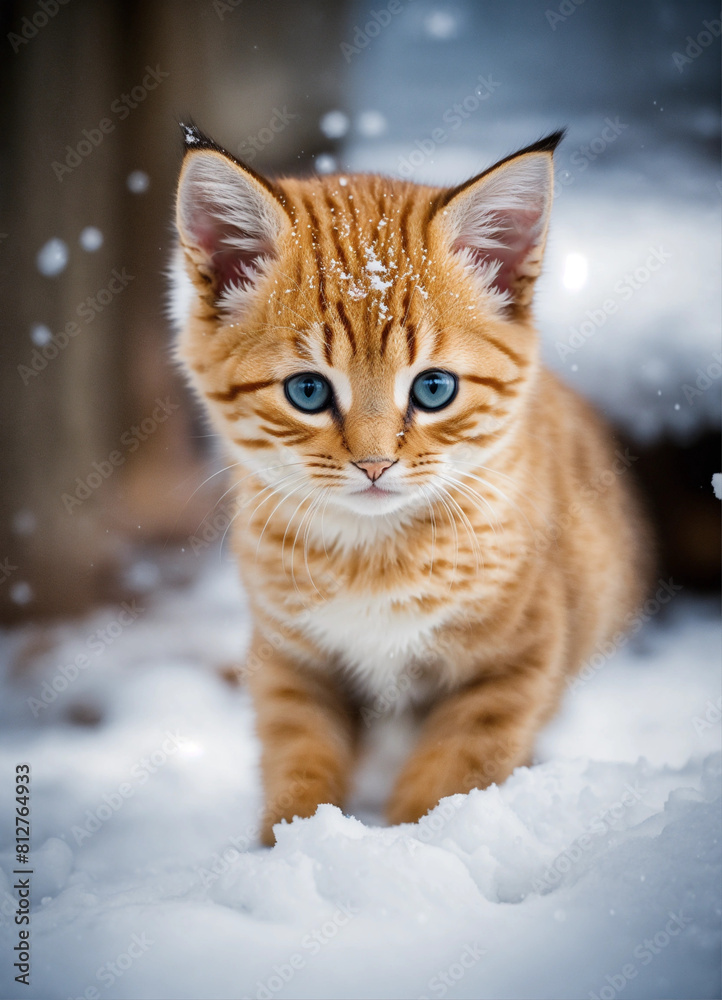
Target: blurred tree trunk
column 58, row 415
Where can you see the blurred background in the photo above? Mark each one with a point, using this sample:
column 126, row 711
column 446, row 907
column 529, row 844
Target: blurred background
column 103, row 449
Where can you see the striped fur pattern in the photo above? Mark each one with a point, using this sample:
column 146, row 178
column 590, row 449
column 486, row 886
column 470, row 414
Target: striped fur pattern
column 462, row 555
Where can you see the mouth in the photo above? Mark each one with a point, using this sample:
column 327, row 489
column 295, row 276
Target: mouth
column 374, row 491
column 374, row 499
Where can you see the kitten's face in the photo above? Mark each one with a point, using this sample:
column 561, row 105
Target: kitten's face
column 361, row 342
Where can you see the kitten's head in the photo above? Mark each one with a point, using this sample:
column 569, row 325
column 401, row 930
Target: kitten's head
column 368, row 338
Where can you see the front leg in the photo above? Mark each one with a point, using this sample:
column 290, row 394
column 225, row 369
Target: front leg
column 475, row 737
column 307, row 738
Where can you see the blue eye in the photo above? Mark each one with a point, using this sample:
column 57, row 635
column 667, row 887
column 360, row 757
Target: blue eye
column 433, row 390
column 308, row 392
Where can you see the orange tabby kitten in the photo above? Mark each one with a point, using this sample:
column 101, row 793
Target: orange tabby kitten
column 422, row 500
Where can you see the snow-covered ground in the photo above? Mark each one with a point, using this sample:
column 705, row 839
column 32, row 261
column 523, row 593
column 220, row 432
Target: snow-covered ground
column 597, row 872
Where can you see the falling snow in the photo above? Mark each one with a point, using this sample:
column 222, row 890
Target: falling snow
column 334, row 124
column 138, row 181
column 91, row 239
column 52, row 258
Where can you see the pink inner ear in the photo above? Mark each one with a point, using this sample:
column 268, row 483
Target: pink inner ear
column 516, row 232
column 233, row 254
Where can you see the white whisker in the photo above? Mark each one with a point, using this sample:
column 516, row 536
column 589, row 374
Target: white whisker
column 283, row 499
column 301, row 502
column 273, row 487
column 487, row 468
column 501, row 493
column 439, row 497
column 469, row 528
column 311, row 511
column 475, row 498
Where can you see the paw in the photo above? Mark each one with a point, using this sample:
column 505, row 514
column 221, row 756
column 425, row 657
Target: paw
column 422, row 786
column 267, row 836
column 299, row 798
column 408, row 806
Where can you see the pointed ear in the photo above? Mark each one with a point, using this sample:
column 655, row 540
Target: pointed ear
column 230, row 221
column 497, row 222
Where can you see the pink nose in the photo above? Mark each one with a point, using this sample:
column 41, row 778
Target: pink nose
column 374, row 468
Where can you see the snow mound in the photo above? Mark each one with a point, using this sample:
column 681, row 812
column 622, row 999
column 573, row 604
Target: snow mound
column 596, row 870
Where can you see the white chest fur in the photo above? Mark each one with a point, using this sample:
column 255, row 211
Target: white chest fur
column 376, row 639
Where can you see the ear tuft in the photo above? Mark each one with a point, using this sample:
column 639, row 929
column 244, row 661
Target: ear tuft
column 547, row 144
column 229, row 222
column 193, row 137
column 497, row 222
